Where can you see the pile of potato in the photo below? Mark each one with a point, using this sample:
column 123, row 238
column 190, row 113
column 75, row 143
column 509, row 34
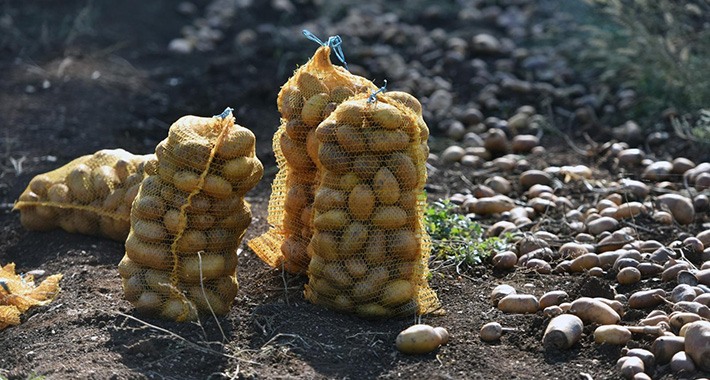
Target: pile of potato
column 306, row 99
column 90, row 195
column 189, row 218
column 369, row 250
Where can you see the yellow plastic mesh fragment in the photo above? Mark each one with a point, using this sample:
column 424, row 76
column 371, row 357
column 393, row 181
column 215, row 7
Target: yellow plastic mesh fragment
column 18, row 293
column 369, row 250
column 306, row 99
column 90, row 195
column 189, row 218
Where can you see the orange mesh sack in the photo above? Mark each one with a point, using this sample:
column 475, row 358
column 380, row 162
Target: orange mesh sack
column 307, row 98
column 369, row 250
column 18, row 293
column 189, row 218
column 90, row 195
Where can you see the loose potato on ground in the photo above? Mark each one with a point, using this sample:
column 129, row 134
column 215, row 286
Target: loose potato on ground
column 418, row 339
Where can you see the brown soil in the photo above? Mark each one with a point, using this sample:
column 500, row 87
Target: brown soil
column 65, row 94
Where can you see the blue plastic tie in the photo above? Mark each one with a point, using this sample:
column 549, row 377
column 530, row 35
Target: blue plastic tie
column 373, row 96
column 226, row 113
column 334, row 42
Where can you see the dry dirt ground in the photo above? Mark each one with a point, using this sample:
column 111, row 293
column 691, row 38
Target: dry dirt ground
column 69, row 87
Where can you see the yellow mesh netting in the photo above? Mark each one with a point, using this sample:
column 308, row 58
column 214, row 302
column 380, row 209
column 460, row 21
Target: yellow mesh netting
column 369, row 251
column 189, row 218
column 90, row 195
column 307, row 98
column 19, row 293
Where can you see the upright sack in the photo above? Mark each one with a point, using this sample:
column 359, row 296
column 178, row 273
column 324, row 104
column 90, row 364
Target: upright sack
column 369, row 250
column 91, row 195
column 189, row 218
column 307, row 98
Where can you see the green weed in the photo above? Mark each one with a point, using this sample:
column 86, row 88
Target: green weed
column 458, row 239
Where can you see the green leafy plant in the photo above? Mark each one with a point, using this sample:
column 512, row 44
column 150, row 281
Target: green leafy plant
column 659, row 48
column 698, row 132
column 458, row 239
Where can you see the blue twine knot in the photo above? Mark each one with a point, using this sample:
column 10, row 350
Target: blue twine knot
column 226, row 113
column 373, row 96
column 334, row 42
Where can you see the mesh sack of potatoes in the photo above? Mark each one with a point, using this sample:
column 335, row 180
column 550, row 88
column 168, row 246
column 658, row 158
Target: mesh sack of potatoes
column 307, row 98
column 90, row 195
column 369, row 250
column 189, row 218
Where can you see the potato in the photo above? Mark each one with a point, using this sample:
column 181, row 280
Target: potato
column 594, row 311
column 148, row 302
column 290, row 102
column 551, row 298
column 396, row 293
column 237, row 141
column 80, row 185
column 631, row 367
column 365, row 165
column 584, row 262
column 444, row 336
column 296, row 129
column 406, row 99
column 325, row 245
column 349, row 111
column 334, row 158
column 356, row 266
column 149, row 231
column 186, row 181
column 330, row 220
column 348, row 181
column 375, row 251
column 350, row 138
column 114, row 199
column 39, row 184
column 312, row 112
column 158, row 281
column 646, row 298
column 327, row 199
column 404, row 170
column 59, row 193
column 217, row 186
column 155, row 256
column 491, row 332
column 295, row 154
column 418, row 339
column 387, row 141
column 628, row 276
column 504, row 260
column 389, row 217
column 238, row 169
column 148, row 207
column 403, row 244
column 519, row 304
column 198, row 150
column 326, row 132
column 191, row 241
column 387, row 116
column 562, row 332
column 696, row 346
column 368, row 287
column 104, row 179
column 337, row 275
column 612, row 334
column 664, row 347
column 679, row 319
column 132, row 287
column 178, row 310
column 309, row 84
column 386, row 186
column 501, row 291
column 361, row 202
column 353, row 239
column 372, row 310
column 213, row 266
column 208, row 300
